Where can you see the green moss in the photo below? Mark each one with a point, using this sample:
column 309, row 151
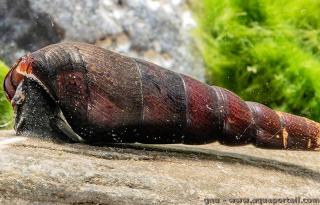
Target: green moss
column 264, row 50
column 5, row 108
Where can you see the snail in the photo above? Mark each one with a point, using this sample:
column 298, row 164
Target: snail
column 82, row 93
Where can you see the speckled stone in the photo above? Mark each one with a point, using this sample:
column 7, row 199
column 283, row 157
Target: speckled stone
column 159, row 31
column 33, row 171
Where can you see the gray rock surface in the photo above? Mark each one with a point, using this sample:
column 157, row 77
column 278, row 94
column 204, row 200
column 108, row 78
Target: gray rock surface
column 158, row 31
column 41, row 172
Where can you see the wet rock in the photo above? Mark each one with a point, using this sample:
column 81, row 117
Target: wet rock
column 23, row 29
column 134, row 27
column 40, row 172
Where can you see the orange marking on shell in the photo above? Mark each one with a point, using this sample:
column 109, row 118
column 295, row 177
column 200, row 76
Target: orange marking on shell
column 14, row 77
column 318, row 136
column 24, row 67
column 309, row 145
column 314, row 138
column 285, row 138
column 284, row 132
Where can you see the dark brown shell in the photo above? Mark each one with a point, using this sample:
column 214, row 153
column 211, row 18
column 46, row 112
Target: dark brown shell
column 101, row 92
column 109, row 97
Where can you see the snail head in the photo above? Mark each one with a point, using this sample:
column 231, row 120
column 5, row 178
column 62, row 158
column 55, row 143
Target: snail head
column 15, row 77
column 35, row 109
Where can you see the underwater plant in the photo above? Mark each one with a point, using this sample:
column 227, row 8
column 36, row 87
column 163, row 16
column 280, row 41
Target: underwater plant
column 263, row 50
column 5, row 108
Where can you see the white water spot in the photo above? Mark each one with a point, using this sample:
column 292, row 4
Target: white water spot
column 176, row 2
column 188, row 21
column 252, row 69
column 210, row 108
column 11, row 140
column 221, row 167
column 153, row 5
